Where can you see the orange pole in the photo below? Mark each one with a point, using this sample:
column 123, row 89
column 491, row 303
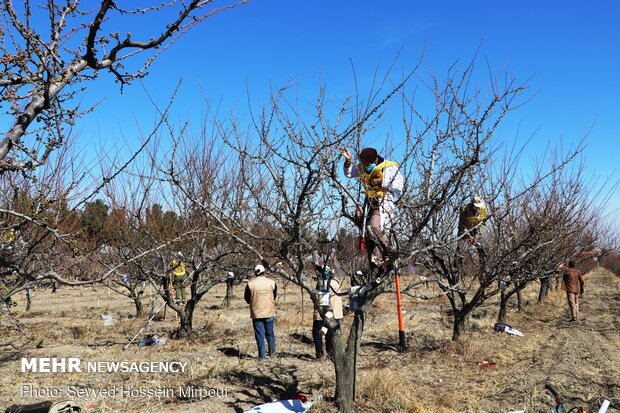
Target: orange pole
column 401, row 325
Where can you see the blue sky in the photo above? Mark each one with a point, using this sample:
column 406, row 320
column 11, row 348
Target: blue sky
column 569, row 49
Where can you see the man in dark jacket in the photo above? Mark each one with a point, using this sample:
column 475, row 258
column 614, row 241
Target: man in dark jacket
column 572, row 283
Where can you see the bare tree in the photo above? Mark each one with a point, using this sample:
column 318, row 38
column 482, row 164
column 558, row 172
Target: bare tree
column 286, row 192
column 163, row 195
column 51, row 52
column 36, row 223
column 556, row 218
column 43, row 236
column 46, row 67
column 537, row 219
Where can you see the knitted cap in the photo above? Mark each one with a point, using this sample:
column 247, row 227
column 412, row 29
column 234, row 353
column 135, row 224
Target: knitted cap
column 368, row 155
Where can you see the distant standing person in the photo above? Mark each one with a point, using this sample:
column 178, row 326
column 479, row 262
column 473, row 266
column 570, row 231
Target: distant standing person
column 261, row 293
column 330, row 286
column 178, row 278
column 572, row 283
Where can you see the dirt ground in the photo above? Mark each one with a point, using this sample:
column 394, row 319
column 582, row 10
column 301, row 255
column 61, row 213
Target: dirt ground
column 582, row 360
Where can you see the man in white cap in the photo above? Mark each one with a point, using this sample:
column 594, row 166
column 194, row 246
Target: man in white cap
column 470, row 217
column 261, row 293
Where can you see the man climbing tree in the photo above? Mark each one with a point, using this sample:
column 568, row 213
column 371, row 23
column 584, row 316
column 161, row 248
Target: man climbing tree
column 471, row 215
column 383, row 184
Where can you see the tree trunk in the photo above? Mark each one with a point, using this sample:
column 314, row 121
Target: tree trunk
column 28, row 300
column 503, row 307
column 345, row 364
column 545, row 284
column 345, row 383
column 459, row 325
column 519, row 300
column 229, row 293
column 185, row 321
column 138, row 304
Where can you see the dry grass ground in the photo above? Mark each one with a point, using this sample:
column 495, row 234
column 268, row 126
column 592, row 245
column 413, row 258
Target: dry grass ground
column 434, row 375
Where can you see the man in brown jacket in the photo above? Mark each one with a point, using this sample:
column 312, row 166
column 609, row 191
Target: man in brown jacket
column 261, row 293
column 572, row 283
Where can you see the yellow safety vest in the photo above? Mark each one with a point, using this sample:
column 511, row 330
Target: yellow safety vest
column 472, row 220
column 9, row 235
column 376, row 191
column 179, row 267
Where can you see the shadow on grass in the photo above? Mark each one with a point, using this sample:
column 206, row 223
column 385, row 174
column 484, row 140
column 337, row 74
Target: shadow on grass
column 302, row 338
column 304, row 356
column 268, row 383
column 415, row 343
column 387, row 345
column 233, row 352
column 7, row 356
column 381, row 345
